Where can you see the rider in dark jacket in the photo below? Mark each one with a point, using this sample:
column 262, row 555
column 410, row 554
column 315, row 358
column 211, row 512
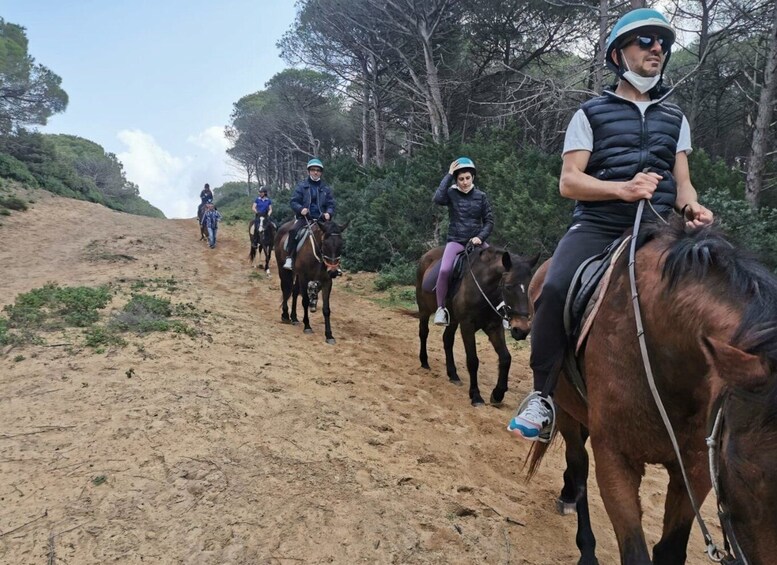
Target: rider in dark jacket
column 470, row 221
column 312, row 200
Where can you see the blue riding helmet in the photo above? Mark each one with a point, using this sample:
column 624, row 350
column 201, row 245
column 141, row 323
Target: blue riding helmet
column 464, row 163
column 630, row 22
column 315, row 163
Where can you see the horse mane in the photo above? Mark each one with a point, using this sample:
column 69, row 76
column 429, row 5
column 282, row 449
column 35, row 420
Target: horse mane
column 705, row 253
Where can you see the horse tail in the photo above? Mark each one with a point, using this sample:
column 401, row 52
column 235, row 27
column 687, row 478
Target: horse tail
column 252, row 254
column 536, row 453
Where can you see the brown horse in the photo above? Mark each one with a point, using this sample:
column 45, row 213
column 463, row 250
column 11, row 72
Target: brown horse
column 710, row 321
column 317, row 263
column 493, row 289
column 261, row 233
column 203, row 229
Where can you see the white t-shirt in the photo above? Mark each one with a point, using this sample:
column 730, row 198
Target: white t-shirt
column 580, row 136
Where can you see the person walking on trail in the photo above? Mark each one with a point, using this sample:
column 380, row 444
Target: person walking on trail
column 312, row 200
column 627, row 145
column 210, row 219
column 471, row 221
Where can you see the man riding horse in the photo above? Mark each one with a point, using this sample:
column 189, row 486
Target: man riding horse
column 627, row 145
column 312, row 200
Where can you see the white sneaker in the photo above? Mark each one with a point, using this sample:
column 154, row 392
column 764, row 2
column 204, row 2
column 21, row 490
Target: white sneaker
column 441, row 317
column 287, row 265
column 535, row 419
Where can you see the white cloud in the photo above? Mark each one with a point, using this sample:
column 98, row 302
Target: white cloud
column 173, row 183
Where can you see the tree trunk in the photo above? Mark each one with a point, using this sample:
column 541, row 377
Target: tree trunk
column 757, row 161
column 365, row 114
column 601, row 52
column 436, row 107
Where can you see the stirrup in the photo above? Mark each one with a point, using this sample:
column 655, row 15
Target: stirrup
column 546, row 433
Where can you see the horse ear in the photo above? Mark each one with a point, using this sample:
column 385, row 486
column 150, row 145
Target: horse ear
column 533, row 260
column 507, row 261
column 733, row 365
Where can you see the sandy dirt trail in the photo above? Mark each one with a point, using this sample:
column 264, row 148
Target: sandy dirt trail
column 253, row 442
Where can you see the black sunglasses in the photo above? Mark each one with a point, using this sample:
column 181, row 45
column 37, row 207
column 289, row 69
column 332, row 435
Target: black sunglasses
column 645, row 42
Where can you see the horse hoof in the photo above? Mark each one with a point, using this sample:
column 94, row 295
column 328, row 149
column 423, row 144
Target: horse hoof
column 267, row 272
column 565, row 508
column 496, row 398
column 295, row 322
column 312, row 309
column 285, row 321
column 331, row 341
column 425, row 366
column 456, row 382
column 308, row 331
column 478, row 403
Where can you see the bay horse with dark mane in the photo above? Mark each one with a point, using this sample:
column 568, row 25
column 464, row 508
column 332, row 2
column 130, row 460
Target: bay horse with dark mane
column 261, row 233
column 316, row 264
column 203, row 229
column 709, row 313
column 493, row 290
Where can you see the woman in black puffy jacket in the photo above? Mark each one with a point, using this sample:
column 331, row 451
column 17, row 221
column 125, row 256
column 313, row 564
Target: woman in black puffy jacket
column 470, row 221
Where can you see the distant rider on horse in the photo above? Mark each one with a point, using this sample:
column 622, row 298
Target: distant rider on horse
column 312, row 200
column 470, row 221
column 262, row 206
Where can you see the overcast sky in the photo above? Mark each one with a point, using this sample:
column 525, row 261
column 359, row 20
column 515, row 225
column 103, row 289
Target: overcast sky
column 154, row 80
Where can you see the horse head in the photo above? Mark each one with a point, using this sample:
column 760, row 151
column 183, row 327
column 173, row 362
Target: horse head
column 514, row 287
column 746, row 440
column 332, row 243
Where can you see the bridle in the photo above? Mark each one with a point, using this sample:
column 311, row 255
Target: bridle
column 331, row 263
column 503, row 310
column 735, row 554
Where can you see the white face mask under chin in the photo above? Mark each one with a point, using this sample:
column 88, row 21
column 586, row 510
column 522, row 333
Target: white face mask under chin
column 643, row 84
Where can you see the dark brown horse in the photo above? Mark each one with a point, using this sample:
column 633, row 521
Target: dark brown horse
column 317, row 263
column 710, row 322
column 203, row 229
column 261, row 233
column 493, row 289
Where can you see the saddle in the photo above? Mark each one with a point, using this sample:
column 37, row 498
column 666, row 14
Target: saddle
column 301, row 237
column 429, row 283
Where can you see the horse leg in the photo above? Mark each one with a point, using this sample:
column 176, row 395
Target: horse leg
column 267, row 252
column 294, row 295
column 497, row 338
column 678, row 513
column 468, row 337
column 447, row 343
column 619, row 481
column 423, row 335
column 575, row 491
column 287, row 280
column 302, row 288
column 325, row 292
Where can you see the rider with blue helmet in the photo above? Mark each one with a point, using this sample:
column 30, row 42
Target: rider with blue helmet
column 312, row 200
column 470, row 221
column 627, row 145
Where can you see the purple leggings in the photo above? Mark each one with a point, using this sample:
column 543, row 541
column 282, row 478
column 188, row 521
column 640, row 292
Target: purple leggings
column 452, row 249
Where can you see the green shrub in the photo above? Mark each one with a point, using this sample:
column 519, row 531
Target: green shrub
column 53, row 307
column 142, row 314
column 98, row 337
column 13, row 203
column 400, row 273
column 13, row 168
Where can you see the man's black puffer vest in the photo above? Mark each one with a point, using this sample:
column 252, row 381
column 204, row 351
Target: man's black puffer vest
column 625, row 144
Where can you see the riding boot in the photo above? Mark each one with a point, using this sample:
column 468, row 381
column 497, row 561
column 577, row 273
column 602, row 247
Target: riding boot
column 290, row 251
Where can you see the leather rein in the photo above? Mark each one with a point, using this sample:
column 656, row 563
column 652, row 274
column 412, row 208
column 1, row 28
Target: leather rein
column 713, row 441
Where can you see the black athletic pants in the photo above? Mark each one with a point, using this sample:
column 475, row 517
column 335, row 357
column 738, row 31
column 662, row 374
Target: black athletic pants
column 548, row 338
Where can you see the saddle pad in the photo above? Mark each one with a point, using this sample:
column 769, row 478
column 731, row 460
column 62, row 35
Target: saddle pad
column 302, row 236
column 592, row 308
